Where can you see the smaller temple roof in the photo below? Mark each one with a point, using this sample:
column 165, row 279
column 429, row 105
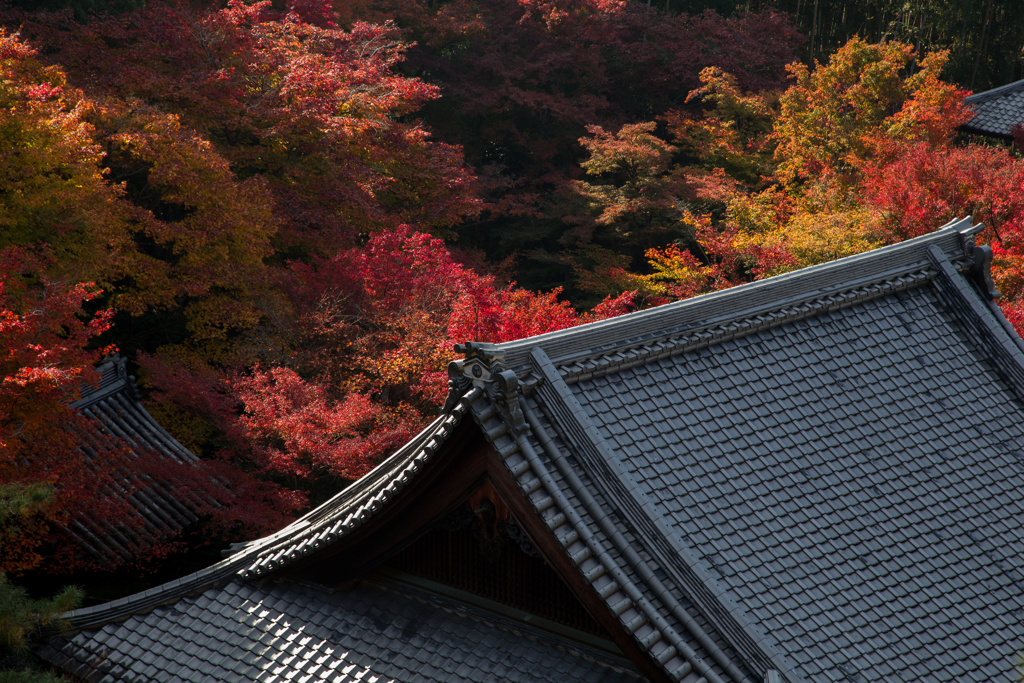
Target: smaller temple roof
column 997, row 111
column 122, row 421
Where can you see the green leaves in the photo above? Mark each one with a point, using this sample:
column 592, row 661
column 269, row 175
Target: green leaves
column 20, row 614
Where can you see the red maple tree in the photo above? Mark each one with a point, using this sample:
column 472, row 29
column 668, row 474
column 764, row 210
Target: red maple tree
column 375, row 330
column 44, row 360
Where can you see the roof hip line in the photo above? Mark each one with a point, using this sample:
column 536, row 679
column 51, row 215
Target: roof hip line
column 991, row 338
column 563, row 514
column 657, row 538
column 583, row 368
column 641, row 568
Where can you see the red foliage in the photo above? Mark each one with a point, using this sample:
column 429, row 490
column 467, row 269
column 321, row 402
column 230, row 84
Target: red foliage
column 319, row 113
column 198, row 401
column 571, row 60
column 523, row 77
column 299, row 433
column 753, row 46
column 1018, row 136
column 214, row 142
column 925, row 186
column 319, row 13
column 44, row 360
column 375, row 332
column 1014, row 312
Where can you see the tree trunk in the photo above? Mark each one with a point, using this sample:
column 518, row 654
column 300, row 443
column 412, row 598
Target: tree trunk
column 963, row 30
column 982, row 42
column 920, row 33
column 814, row 27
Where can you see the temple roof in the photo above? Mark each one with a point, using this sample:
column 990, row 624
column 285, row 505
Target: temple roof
column 815, row 476
column 122, row 422
column 997, row 111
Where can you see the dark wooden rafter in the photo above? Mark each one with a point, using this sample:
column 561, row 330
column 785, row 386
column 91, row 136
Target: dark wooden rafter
column 481, row 550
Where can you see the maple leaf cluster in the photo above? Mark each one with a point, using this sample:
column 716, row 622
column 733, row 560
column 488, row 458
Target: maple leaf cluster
column 136, row 186
column 853, row 155
column 231, row 190
column 522, row 81
column 374, row 332
column 44, row 361
column 320, row 115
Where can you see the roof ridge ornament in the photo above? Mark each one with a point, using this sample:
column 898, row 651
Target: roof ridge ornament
column 980, row 259
column 476, row 369
column 484, row 367
column 505, row 391
column 482, row 360
column 981, row 271
column 458, row 385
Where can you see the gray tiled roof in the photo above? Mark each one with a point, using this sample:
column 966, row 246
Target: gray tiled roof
column 996, row 111
column 823, row 464
column 287, row 631
column 329, row 523
column 813, row 474
column 862, row 504
column 123, row 422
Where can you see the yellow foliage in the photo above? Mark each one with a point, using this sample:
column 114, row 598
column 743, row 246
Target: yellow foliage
column 825, row 236
column 759, row 212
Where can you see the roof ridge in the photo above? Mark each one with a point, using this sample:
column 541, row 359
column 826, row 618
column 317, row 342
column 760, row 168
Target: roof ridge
column 776, row 292
column 588, row 365
column 986, row 95
column 114, row 379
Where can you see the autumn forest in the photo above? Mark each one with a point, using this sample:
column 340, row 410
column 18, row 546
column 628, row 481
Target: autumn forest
column 285, row 214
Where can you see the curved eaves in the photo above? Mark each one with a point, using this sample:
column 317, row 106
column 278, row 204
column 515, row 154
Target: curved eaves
column 325, row 525
column 351, row 509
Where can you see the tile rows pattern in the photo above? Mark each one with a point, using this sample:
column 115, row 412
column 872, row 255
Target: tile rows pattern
column 121, row 420
column 556, row 502
column 853, row 479
column 325, row 525
column 849, row 476
column 290, row 632
column 997, row 111
column 622, row 527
